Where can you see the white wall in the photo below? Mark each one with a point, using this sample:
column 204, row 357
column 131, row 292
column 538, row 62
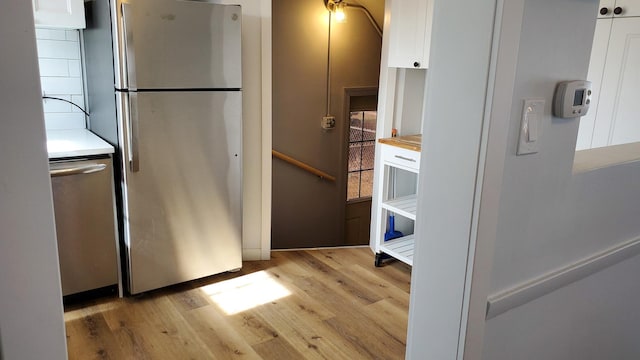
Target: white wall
column 256, row 111
column 61, row 77
column 539, row 238
column 595, row 318
column 549, row 220
column 31, row 322
column 451, row 143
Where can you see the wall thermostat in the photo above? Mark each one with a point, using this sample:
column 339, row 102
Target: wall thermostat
column 572, row 99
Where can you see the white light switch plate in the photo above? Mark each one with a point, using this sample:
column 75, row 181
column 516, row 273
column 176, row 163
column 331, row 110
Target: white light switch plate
column 530, row 126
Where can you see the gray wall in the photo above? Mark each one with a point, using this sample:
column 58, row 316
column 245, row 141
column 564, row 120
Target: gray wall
column 550, row 218
column 308, row 211
column 31, row 322
column 513, row 219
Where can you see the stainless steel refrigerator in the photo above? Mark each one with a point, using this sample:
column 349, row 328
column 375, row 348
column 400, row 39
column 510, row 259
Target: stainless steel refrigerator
column 164, row 83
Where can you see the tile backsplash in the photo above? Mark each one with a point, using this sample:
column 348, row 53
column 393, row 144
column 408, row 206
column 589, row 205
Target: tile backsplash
column 61, row 76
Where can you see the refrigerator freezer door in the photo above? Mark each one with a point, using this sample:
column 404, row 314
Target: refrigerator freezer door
column 169, row 44
column 183, row 204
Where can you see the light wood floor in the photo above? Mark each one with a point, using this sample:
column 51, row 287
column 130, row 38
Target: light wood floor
column 332, row 304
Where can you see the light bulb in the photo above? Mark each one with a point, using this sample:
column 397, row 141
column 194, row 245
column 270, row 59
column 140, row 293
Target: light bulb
column 339, row 12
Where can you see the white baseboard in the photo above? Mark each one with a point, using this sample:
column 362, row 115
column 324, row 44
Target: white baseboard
column 521, row 294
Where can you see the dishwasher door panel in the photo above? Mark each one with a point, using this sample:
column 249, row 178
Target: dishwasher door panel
column 85, row 224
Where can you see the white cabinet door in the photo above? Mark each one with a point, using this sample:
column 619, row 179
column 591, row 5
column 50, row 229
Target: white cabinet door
column 605, row 10
column 618, row 118
column 627, row 8
column 410, row 33
column 68, row 14
column 596, row 69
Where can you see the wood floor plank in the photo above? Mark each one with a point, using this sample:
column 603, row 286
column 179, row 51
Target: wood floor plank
column 394, row 272
column 152, row 327
column 189, row 300
column 373, row 340
column 252, row 327
column 89, row 337
column 330, row 304
column 277, row 349
column 212, row 327
column 306, row 330
column 371, row 278
column 336, row 281
column 337, row 258
column 390, row 316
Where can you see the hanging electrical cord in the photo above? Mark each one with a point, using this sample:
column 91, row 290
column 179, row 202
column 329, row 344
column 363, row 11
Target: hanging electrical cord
column 67, row 101
column 369, row 16
column 331, row 6
column 329, row 68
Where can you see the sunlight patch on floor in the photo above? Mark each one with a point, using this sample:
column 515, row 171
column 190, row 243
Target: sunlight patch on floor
column 76, row 314
column 245, row 292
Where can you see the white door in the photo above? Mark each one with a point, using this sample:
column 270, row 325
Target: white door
column 618, row 119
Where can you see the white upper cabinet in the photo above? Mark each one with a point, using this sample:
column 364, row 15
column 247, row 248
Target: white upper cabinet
column 66, row 14
column 617, row 120
column 410, row 33
column 619, row 8
column 614, row 70
column 596, row 69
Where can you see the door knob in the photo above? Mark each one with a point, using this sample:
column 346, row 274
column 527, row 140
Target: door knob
column 604, row 11
column 617, row 10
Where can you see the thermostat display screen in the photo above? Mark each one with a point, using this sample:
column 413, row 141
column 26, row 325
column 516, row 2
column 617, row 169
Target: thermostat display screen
column 578, row 97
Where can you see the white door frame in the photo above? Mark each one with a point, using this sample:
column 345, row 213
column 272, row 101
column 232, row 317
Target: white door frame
column 459, row 169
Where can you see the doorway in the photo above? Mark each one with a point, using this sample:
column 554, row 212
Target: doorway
column 318, row 58
column 362, row 104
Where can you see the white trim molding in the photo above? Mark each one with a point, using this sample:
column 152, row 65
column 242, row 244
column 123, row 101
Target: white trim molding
column 266, row 131
column 521, row 294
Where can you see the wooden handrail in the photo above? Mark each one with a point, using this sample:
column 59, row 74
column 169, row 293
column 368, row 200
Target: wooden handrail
column 321, row 174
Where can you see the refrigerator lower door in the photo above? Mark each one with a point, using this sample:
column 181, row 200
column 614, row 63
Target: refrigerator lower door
column 182, row 186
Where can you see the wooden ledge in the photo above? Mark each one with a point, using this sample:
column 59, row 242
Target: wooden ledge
column 409, row 142
column 598, row 158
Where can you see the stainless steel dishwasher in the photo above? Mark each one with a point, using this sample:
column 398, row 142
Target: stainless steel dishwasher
column 83, row 198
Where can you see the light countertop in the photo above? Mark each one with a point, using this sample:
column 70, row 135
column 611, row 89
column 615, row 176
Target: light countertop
column 409, row 142
column 76, row 142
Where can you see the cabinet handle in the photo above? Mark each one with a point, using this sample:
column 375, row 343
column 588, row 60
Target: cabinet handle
column 416, row 64
column 617, row 10
column 405, row 158
column 604, row 11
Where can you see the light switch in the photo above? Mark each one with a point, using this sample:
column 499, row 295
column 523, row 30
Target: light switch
column 530, row 126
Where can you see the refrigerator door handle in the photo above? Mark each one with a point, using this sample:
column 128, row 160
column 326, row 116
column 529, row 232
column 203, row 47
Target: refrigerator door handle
column 129, row 49
column 134, row 159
